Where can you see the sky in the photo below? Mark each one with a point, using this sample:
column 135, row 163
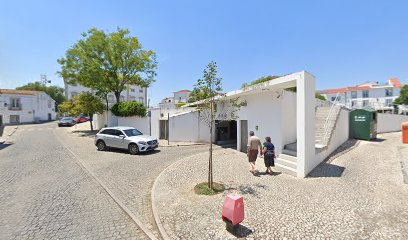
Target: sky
column 342, row 42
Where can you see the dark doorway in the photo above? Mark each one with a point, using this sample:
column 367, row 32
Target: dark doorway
column 1, row 120
column 49, row 117
column 164, row 129
column 226, row 133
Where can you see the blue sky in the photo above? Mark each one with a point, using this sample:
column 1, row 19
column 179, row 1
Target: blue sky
column 340, row 42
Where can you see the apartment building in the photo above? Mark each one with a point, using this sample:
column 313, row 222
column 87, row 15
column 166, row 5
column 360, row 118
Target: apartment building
column 170, row 102
column 379, row 96
column 132, row 93
column 24, row 106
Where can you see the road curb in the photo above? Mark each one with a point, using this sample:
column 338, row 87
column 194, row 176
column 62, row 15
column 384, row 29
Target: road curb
column 116, row 199
column 14, row 130
column 185, row 145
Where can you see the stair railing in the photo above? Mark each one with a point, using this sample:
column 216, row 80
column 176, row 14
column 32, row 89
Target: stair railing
column 328, row 123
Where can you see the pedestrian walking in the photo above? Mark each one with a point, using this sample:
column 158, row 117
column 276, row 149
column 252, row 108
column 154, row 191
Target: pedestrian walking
column 269, row 155
column 252, row 151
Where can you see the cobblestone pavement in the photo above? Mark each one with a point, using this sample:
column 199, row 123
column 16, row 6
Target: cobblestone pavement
column 45, row 194
column 128, row 176
column 359, row 194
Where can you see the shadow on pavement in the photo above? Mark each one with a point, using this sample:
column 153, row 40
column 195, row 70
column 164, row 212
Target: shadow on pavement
column 125, row 151
column 4, row 145
column 327, row 170
column 241, row 231
column 85, row 133
column 379, row 140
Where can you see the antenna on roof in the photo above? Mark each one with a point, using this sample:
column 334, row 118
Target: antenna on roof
column 44, row 80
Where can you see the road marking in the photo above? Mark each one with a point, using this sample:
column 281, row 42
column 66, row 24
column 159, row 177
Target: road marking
column 110, row 193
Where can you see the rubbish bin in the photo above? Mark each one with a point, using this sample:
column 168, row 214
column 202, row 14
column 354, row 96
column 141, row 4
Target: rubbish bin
column 363, row 124
column 405, row 132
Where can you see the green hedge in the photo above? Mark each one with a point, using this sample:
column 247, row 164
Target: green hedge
column 129, row 109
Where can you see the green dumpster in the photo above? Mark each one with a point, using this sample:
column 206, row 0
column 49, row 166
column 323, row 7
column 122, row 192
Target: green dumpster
column 363, row 124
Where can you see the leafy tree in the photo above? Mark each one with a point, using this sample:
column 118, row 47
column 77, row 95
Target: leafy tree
column 129, row 109
column 83, row 103
column 108, row 62
column 55, row 92
column 403, row 98
column 210, row 86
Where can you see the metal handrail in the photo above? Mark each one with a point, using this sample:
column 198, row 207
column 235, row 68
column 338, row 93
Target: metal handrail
column 326, row 125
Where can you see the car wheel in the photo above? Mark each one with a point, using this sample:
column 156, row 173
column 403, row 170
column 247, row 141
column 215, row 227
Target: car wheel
column 101, row 145
column 133, row 149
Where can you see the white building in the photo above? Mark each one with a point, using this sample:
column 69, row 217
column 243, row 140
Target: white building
column 366, row 95
column 132, row 93
column 170, row 102
column 23, row 106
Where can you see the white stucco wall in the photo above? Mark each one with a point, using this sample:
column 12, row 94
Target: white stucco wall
column 141, row 124
column 390, row 122
column 187, row 127
column 288, row 118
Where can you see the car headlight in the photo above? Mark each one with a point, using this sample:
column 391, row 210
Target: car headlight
column 143, row 143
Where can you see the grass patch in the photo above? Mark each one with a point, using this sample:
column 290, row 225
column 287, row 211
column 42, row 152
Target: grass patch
column 202, row 188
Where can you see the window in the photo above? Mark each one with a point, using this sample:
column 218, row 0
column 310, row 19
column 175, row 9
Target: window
column 132, row 90
column 388, row 92
column 49, row 103
column 132, row 99
column 117, row 132
column 132, row 132
column 354, row 94
column 333, row 99
column 122, row 98
column 353, row 103
column 388, row 102
column 365, row 94
column 107, row 132
column 141, row 90
column 141, row 100
column 365, row 103
column 15, row 103
column 14, row 118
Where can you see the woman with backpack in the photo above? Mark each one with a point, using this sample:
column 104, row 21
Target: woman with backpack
column 269, row 155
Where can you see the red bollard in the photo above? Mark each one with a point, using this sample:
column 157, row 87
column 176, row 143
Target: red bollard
column 233, row 211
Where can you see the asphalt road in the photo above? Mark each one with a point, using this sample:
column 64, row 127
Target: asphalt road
column 55, row 184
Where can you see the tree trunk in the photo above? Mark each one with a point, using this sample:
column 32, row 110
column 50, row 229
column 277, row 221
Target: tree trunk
column 117, row 95
column 210, row 171
column 90, row 122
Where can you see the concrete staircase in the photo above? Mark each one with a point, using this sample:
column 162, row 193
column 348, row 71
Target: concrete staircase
column 287, row 161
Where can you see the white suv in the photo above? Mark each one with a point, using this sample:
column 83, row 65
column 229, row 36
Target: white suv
column 125, row 138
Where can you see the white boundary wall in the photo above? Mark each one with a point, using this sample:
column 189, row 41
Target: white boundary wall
column 390, row 122
column 187, row 127
column 141, row 124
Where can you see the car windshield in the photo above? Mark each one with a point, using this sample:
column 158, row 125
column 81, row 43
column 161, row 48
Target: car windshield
column 66, row 118
column 132, row 132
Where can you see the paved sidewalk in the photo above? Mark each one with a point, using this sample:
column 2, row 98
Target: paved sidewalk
column 358, row 195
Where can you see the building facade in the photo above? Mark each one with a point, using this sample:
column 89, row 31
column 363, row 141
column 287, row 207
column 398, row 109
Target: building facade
column 170, row 102
column 23, row 106
column 132, row 93
column 379, row 96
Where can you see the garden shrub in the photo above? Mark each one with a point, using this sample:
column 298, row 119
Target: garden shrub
column 129, row 109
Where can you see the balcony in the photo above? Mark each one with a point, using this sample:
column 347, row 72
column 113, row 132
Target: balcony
column 15, row 108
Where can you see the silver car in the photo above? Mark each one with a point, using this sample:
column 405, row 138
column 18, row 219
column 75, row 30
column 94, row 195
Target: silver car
column 125, row 138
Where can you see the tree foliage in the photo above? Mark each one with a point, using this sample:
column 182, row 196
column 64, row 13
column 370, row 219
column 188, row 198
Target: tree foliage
column 108, row 62
column 180, row 104
column 55, row 92
column 83, row 103
column 259, row 80
column 129, row 109
column 209, row 90
column 403, row 98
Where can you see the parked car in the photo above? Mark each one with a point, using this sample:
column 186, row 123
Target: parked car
column 125, row 138
column 81, row 119
column 66, row 121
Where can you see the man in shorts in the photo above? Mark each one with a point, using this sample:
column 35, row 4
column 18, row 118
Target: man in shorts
column 254, row 143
